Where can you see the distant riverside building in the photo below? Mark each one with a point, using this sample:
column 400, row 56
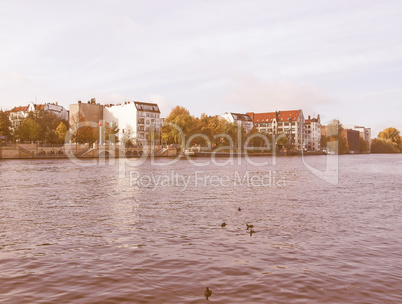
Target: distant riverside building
column 18, row 114
column 84, row 113
column 289, row 123
column 142, row 118
column 365, row 134
column 312, row 136
column 243, row 120
column 353, row 138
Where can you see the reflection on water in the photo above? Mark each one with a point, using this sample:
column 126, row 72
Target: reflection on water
column 71, row 234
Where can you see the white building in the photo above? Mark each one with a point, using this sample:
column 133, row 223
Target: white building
column 140, row 119
column 289, row 123
column 243, row 120
column 18, row 114
column 312, row 136
column 55, row 108
column 365, row 133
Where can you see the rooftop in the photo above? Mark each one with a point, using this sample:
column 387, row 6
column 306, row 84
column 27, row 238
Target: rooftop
column 270, row 116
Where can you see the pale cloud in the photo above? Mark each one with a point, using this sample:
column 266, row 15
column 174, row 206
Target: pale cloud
column 255, row 95
column 208, row 56
column 164, row 105
column 13, row 78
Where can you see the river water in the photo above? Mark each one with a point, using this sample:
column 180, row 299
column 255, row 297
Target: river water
column 152, row 233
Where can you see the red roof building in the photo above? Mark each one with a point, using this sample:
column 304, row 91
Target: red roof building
column 282, row 123
column 18, row 114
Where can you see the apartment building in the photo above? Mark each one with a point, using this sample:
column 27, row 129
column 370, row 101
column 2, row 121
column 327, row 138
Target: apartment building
column 312, row 135
column 288, row 123
column 141, row 119
column 242, row 120
column 18, row 114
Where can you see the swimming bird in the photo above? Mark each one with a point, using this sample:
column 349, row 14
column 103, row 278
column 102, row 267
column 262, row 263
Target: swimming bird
column 207, row 293
column 223, row 224
column 251, row 232
column 239, row 209
column 249, row 226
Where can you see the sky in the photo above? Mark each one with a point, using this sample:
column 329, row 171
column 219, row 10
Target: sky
column 340, row 59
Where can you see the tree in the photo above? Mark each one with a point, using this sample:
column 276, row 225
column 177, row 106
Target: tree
column 86, row 134
column 111, row 130
column 387, row 141
column 183, row 121
column 335, row 136
column 5, row 126
column 128, row 138
column 383, row 146
column 49, row 122
column 211, row 126
column 258, row 139
column 283, row 140
column 363, row 145
column 61, row 132
column 391, row 134
column 233, row 130
column 29, row 130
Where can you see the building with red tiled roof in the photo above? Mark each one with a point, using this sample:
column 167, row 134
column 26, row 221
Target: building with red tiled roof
column 282, row 123
column 18, row 114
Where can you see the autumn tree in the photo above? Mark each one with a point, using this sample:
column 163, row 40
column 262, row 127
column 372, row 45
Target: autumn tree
column 387, row 141
column 61, row 132
column 212, row 126
column 49, row 122
column 383, row 146
column 258, row 139
column 29, row 130
column 364, row 147
column 236, row 132
column 86, row 134
column 335, row 138
column 111, row 131
column 5, row 126
column 206, row 131
column 391, row 134
column 178, row 121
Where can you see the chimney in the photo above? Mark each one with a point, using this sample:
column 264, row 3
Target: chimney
column 57, row 103
column 79, row 101
column 309, row 117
